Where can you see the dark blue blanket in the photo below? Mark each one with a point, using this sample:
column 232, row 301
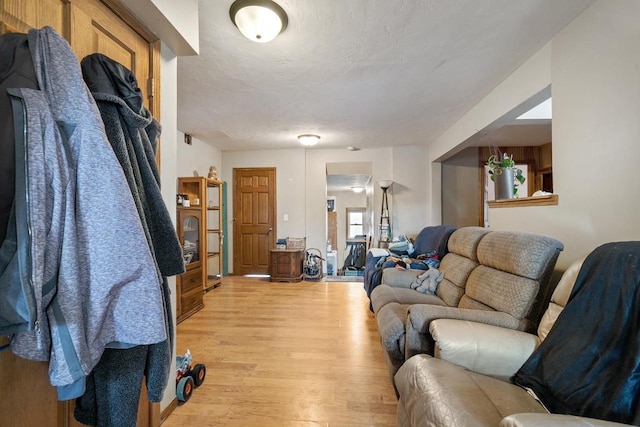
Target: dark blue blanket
column 589, row 364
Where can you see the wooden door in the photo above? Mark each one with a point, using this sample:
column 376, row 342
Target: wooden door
column 97, row 29
column 254, row 219
column 89, row 26
column 332, row 229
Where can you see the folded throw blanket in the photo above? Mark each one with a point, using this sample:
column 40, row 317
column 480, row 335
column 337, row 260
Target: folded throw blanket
column 589, row 364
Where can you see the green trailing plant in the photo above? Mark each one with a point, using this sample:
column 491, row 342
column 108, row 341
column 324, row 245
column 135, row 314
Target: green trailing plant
column 497, row 164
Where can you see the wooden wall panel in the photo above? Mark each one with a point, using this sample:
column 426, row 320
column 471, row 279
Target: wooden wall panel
column 23, row 15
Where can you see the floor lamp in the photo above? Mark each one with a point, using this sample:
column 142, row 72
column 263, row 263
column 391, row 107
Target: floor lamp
column 385, row 220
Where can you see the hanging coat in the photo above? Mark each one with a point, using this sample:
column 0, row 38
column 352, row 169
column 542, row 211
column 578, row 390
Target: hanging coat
column 91, row 270
column 113, row 388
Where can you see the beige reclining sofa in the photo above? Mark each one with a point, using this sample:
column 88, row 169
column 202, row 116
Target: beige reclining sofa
column 499, row 278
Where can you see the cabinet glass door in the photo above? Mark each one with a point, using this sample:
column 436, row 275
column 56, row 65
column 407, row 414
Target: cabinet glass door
column 191, row 239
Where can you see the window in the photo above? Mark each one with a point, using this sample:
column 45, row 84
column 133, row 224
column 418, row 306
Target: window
column 356, row 222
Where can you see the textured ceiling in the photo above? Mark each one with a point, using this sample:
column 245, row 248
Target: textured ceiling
column 363, row 73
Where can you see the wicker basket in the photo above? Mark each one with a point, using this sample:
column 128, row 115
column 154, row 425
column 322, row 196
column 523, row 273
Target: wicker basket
column 296, row 242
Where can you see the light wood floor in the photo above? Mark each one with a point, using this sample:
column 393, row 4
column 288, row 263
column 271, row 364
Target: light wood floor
column 286, row 354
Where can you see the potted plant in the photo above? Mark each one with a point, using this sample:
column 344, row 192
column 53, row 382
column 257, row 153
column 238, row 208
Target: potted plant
column 505, row 175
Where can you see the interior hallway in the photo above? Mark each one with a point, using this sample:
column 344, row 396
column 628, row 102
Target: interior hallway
column 286, row 354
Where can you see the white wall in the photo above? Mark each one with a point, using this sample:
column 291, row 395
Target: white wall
column 408, row 194
column 168, row 171
column 528, row 80
column 290, row 196
column 197, row 157
column 593, row 67
column 382, row 162
column 302, row 190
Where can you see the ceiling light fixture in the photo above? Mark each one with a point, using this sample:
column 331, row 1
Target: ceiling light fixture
column 308, row 139
column 357, row 189
column 258, row 20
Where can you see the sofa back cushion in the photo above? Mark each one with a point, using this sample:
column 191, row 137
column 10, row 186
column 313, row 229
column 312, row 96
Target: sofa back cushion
column 465, row 241
column 559, row 298
column 491, row 289
column 456, row 270
column 520, row 253
column 458, row 264
column 514, row 275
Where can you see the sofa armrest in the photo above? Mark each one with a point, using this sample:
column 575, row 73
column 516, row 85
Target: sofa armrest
column 372, row 274
column 554, row 420
column 418, row 338
column 485, row 349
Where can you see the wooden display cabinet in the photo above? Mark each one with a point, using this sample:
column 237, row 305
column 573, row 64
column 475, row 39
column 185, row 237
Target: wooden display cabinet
column 286, row 265
column 189, row 297
column 205, row 195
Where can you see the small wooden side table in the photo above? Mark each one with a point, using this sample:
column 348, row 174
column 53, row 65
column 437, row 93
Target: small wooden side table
column 285, row 265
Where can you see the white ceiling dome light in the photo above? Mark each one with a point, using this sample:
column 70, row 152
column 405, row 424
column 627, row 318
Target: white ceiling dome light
column 308, row 139
column 258, row 20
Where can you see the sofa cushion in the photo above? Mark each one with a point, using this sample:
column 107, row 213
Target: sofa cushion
column 433, row 392
column 520, row 253
column 528, row 255
column 383, row 295
column 464, row 241
column 554, row 420
column 499, row 291
column 559, row 298
column 456, row 270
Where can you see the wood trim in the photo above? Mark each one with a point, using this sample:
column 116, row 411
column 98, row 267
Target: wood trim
column 154, row 101
column 481, row 162
column 168, row 411
column 64, row 414
column 155, row 419
column 550, row 200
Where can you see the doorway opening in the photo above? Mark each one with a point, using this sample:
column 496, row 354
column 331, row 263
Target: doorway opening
column 349, row 214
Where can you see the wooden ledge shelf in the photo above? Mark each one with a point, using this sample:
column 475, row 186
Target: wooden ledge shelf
column 549, row 200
